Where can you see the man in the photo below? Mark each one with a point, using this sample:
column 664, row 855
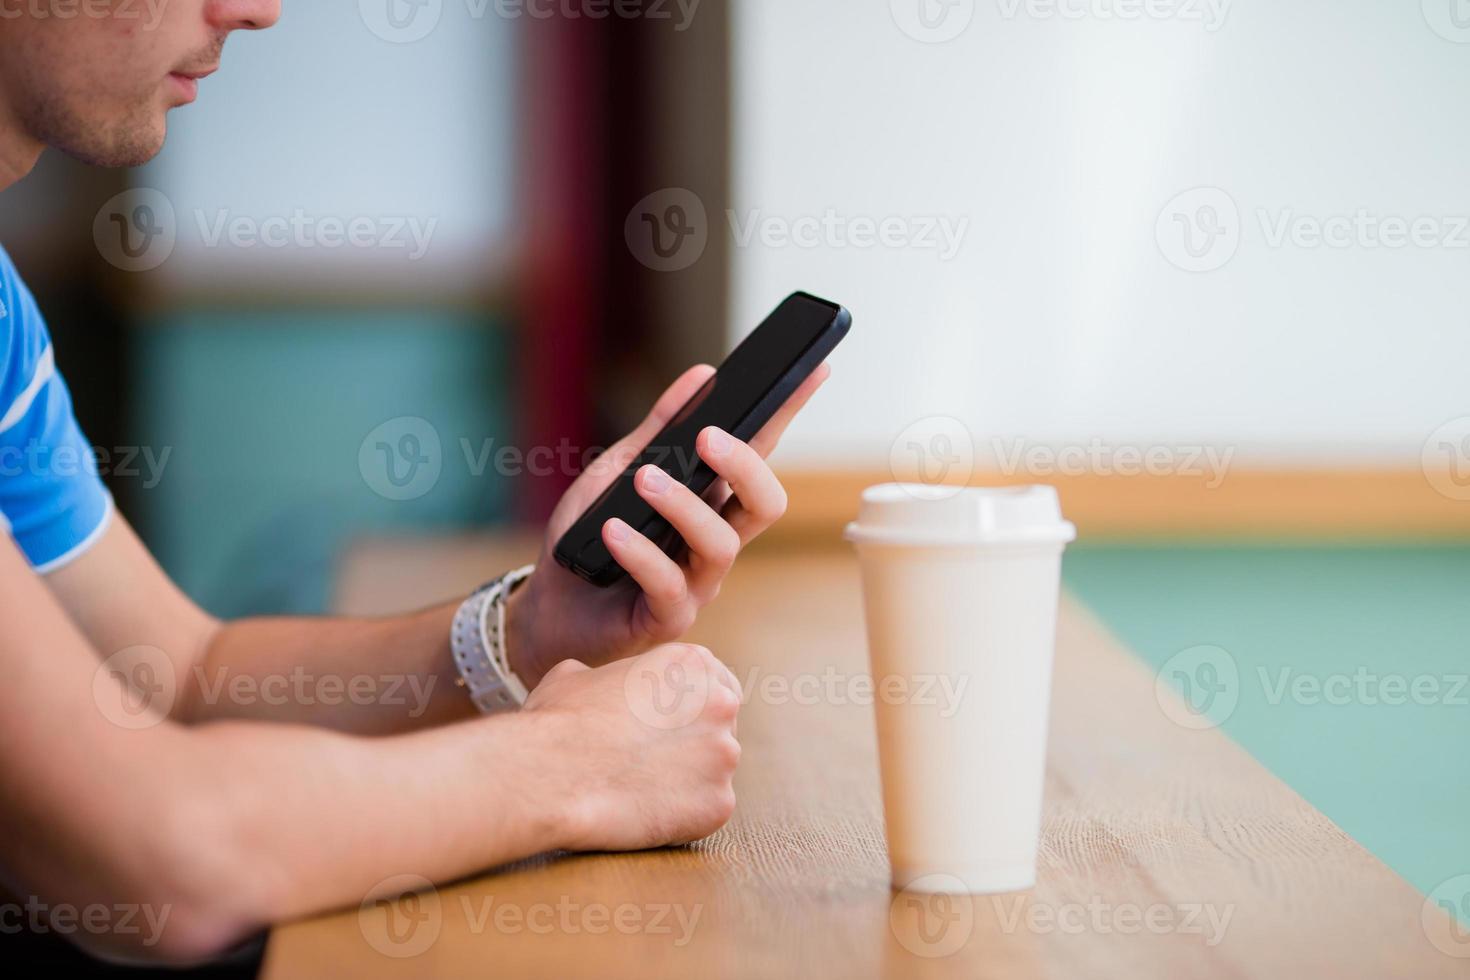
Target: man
column 278, row 811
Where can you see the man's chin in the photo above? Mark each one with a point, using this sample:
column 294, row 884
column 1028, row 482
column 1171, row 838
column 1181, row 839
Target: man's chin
column 132, row 147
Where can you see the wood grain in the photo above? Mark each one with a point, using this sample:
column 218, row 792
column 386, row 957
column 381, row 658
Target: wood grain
column 1142, row 818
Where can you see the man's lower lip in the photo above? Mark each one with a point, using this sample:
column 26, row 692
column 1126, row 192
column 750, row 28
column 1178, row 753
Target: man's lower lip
column 188, row 87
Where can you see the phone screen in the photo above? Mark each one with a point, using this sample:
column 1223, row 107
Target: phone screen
column 762, row 372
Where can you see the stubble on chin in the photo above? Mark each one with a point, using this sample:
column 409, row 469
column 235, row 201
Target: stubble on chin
column 128, row 136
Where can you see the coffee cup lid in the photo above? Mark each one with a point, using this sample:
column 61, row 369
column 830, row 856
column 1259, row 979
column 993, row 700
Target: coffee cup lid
column 930, row 516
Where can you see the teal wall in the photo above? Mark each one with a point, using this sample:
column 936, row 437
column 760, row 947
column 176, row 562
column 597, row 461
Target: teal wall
column 1394, row 776
column 263, row 416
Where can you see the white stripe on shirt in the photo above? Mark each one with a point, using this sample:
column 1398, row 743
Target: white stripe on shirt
column 83, row 546
column 45, row 371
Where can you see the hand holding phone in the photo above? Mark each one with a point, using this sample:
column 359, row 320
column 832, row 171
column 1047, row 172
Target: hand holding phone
column 759, row 376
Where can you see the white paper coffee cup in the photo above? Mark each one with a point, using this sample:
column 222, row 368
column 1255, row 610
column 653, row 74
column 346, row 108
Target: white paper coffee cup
column 960, row 591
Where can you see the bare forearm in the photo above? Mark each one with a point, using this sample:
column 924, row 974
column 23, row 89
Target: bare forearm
column 325, row 818
column 364, row 676
column 223, row 829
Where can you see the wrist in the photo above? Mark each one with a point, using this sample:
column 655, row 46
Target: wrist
column 550, row 750
column 519, row 644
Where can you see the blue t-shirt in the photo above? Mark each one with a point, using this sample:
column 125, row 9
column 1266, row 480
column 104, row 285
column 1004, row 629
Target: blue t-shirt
column 52, row 500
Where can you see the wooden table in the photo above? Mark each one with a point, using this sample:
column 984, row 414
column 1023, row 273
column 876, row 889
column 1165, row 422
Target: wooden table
column 1166, row 852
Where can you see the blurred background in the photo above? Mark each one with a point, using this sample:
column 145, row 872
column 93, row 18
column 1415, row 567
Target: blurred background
column 1200, row 263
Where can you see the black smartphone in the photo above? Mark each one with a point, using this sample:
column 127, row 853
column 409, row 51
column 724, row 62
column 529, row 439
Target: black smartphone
column 754, row 382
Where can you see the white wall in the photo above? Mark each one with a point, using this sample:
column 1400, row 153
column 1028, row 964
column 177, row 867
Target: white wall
column 1060, row 141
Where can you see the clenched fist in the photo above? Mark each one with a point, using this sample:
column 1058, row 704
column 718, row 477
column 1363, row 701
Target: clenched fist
column 649, row 744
